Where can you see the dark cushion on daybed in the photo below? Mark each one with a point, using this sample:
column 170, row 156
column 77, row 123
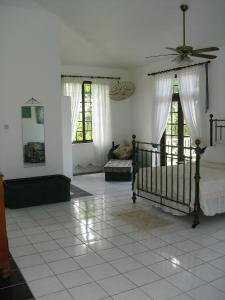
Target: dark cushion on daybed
column 39, row 190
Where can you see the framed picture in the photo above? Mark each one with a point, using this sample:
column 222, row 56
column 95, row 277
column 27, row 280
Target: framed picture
column 26, row 112
column 39, row 111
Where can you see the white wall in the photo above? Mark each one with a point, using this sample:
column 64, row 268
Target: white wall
column 83, row 154
column 141, row 101
column 29, row 67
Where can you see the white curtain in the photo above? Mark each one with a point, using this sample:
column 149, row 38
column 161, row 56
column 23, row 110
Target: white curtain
column 162, row 89
column 72, row 86
column 192, row 96
column 101, row 121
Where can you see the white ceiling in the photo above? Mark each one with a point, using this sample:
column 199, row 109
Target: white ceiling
column 121, row 33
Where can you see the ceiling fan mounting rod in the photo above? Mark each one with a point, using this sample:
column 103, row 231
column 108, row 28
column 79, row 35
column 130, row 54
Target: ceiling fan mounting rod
column 184, row 7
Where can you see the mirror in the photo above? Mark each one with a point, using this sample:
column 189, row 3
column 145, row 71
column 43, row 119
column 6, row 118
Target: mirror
column 33, row 135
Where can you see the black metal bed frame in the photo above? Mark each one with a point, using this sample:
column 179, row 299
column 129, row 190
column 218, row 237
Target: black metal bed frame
column 151, row 175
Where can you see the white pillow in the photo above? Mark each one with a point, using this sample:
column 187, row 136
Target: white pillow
column 215, row 154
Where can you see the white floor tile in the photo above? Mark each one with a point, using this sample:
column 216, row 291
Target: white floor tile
column 22, row 250
column 45, row 286
column 187, row 261
column 77, row 250
column 165, row 268
column 219, row 263
column 120, row 240
column 219, row 284
column 207, row 272
column 89, row 260
column 219, row 247
column 101, row 271
column 54, row 255
column 126, row 264
column 148, row 258
column 168, row 251
column 207, row 292
column 37, row 238
column 64, row 295
column 36, row 272
column 206, row 254
column 63, row 266
column 132, row 295
column 90, row 291
column 153, row 243
column 133, row 248
column 187, row 245
column 112, row 254
column 141, row 276
column 116, row 284
column 185, row 281
column 161, row 290
column 67, row 242
column 182, row 297
column 74, row 278
column 46, row 246
column 29, row 260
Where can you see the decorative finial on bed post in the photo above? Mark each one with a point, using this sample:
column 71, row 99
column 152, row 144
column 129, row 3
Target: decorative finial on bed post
column 134, row 167
column 197, row 182
column 211, row 128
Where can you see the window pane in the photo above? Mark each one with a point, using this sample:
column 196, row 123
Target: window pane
column 174, row 129
column 175, row 118
column 87, row 87
column 174, row 106
column 186, row 131
column 88, row 136
column 175, row 89
column 87, row 106
column 88, row 116
column 80, row 117
column 79, row 136
column 169, row 119
column 88, row 126
column 79, row 126
column 168, row 129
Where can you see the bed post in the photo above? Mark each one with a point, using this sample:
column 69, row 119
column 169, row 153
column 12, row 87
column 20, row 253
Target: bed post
column 211, row 129
column 134, row 167
column 197, row 181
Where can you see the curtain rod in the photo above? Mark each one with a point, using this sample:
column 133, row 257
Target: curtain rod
column 99, row 77
column 178, row 68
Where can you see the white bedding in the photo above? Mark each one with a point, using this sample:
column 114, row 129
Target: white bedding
column 212, row 186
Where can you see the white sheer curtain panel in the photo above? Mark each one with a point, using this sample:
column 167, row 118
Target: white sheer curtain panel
column 162, row 96
column 101, row 121
column 72, row 86
column 192, row 92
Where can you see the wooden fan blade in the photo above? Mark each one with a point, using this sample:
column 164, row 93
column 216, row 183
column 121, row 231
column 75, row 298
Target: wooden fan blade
column 172, row 49
column 204, row 55
column 206, row 49
column 151, row 56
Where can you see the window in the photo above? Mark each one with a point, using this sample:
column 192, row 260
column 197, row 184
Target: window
column 84, row 123
column 176, row 133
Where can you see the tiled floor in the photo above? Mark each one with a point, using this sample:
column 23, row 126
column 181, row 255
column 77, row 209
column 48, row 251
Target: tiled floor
column 78, row 250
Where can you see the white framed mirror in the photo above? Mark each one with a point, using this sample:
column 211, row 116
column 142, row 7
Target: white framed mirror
column 33, row 133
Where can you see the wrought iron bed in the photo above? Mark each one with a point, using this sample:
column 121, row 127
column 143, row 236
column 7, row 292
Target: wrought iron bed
column 167, row 179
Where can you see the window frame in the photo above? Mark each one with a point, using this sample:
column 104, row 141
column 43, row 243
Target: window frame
column 84, row 141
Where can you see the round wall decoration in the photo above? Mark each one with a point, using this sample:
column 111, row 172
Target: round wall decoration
column 121, row 90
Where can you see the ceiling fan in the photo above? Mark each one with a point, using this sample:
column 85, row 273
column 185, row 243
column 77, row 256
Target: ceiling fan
column 184, row 52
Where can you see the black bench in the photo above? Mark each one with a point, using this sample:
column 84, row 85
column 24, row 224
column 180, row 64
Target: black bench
column 25, row 192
